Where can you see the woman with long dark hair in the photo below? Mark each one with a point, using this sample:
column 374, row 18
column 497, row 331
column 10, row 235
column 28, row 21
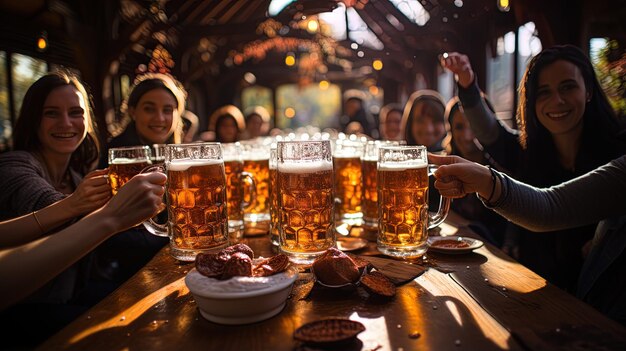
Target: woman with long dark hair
column 566, row 128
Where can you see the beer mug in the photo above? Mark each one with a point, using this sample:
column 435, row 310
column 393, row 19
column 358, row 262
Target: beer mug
column 305, row 199
column 125, row 163
column 403, row 216
column 256, row 161
column 235, row 180
column 348, row 182
column 195, row 195
column 369, row 199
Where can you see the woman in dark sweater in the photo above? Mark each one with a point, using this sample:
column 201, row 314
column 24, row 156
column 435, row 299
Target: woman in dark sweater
column 55, row 148
column 566, row 128
column 154, row 107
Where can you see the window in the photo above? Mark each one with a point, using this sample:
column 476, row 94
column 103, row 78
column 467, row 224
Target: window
column 26, row 70
column 257, row 96
column 313, row 105
column 502, row 81
column 5, row 114
column 608, row 59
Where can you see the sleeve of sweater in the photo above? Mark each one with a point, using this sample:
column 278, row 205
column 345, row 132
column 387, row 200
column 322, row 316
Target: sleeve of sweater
column 589, row 198
column 23, row 187
column 483, row 122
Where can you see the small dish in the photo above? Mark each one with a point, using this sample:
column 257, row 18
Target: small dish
column 351, row 244
column 241, row 300
column 329, row 331
column 453, row 244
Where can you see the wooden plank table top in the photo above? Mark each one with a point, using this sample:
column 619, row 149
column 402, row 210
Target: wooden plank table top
column 478, row 301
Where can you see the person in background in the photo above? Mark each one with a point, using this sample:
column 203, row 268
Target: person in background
column 460, row 140
column 354, row 111
column 191, row 123
column 227, row 123
column 423, row 120
column 566, row 127
column 257, row 121
column 55, row 151
column 390, row 122
column 599, row 195
column 155, row 105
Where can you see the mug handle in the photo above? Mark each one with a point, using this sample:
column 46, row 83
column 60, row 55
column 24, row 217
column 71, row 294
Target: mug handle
column 152, row 226
column 247, row 177
column 436, row 218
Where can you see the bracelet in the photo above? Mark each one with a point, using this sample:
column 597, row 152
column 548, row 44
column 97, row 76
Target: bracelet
column 38, row 223
column 493, row 184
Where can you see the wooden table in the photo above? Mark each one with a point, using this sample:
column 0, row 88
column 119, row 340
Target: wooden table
column 478, row 301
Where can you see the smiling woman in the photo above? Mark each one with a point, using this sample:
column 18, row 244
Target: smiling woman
column 566, row 128
column 55, row 148
column 154, row 107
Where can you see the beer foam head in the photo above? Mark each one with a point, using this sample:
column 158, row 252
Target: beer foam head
column 401, row 166
column 305, row 167
column 124, row 160
column 184, row 164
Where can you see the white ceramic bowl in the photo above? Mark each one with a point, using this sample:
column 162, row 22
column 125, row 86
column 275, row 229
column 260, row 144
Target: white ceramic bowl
column 241, row 300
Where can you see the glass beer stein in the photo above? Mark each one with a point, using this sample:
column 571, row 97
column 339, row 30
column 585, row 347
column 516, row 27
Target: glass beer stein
column 236, row 181
column 196, row 200
column 369, row 163
column 348, row 180
column 127, row 162
column 403, row 216
column 305, row 199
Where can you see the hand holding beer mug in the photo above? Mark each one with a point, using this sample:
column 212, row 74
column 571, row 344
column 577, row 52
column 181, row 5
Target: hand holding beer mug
column 305, row 199
column 196, row 200
column 125, row 163
column 403, row 216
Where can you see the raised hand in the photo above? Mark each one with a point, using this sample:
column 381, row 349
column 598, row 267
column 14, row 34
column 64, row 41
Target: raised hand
column 458, row 64
column 457, row 177
column 92, row 193
column 139, row 199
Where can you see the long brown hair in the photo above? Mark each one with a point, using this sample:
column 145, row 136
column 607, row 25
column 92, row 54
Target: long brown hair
column 29, row 120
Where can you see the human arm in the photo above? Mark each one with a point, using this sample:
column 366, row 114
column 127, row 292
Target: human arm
column 482, row 120
column 93, row 192
column 27, row 267
column 590, row 198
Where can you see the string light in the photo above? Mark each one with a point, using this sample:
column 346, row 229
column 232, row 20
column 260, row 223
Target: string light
column 377, row 65
column 504, row 5
column 42, row 41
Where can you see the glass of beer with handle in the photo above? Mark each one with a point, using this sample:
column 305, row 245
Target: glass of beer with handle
column 196, row 200
column 236, row 181
column 403, row 216
column 305, row 199
column 127, row 162
column 369, row 163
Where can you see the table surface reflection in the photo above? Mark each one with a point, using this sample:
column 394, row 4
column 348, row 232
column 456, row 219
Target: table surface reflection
column 478, row 301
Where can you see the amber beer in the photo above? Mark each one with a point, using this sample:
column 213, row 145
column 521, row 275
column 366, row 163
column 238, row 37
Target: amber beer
column 404, row 205
column 305, row 199
column 234, row 196
column 403, row 216
column 305, row 192
column 370, row 192
column 125, row 163
column 259, row 210
column 348, row 186
column 196, row 203
column 121, row 170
